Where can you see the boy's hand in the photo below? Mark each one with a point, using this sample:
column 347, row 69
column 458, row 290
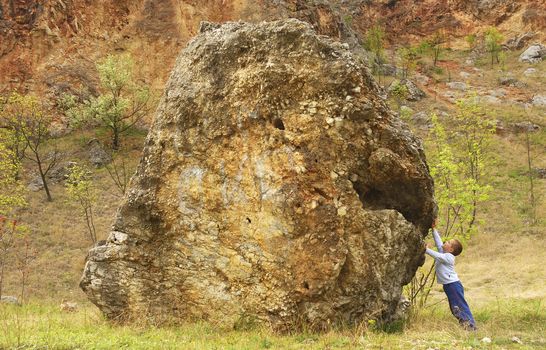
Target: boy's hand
column 427, row 245
column 433, row 225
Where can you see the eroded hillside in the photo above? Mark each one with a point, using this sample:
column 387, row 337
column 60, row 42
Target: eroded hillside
column 50, row 46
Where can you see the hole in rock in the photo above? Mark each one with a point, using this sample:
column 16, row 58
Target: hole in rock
column 305, row 285
column 400, row 198
column 248, row 220
column 277, row 122
column 373, row 198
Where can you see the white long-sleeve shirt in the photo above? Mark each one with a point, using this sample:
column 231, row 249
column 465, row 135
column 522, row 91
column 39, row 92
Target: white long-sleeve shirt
column 445, row 262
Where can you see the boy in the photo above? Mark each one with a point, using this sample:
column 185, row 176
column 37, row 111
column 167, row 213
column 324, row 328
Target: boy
column 446, row 275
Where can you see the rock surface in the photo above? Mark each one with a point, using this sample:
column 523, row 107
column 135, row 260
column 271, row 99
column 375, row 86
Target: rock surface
column 8, row 299
column 511, row 81
column 36, row 184
column 519, row 41
column 414, row 93
column 540, row 173
column 457, row 85
column 524, row 127
column 389, row 70
column 533, row 54
column 275, row 185
column 422, row 120
column 539, row 100
column 60, row 172
column 97, row 154
column 49, row 47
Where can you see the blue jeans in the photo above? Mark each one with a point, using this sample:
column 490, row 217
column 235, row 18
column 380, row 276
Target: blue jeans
column 457, row 304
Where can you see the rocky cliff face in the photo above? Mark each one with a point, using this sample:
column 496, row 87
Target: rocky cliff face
column 274, row 184
column 49, row 46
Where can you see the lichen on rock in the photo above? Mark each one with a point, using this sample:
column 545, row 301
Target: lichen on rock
column 275, row 184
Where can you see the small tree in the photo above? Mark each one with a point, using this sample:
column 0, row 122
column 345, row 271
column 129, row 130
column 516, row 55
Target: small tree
column 453, row 194
column 471, row 41
column 452, row 186
column 400, row 92
column 76, row 111
column 374, row 42
column 11, row 189
column 473, row 134
column 436, row 43
column 9, row 229
column 11, row 198
column 12, row 140
column 534, row 195
column 408, row 57
column 122, row 102
column 530, row 171
column 457, row 166
column 493, row 39
column 118, row 171
column 24, row 256
column 502, row 60
column 81, row 190
column 28, row 123
column 422, row 48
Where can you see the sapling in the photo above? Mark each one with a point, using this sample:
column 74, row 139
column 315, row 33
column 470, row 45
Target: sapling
column 531, row 178
column 436, row 44
column 24, row 255
column 408, row 57
column 81, row 190
column 119, row 172
column 375, row 43
column 400, row 92
column 471, row 40
column 493, row 39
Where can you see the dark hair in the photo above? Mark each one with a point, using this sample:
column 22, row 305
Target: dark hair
column 457, row 247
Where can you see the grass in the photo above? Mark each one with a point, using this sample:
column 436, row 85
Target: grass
column 43, row 326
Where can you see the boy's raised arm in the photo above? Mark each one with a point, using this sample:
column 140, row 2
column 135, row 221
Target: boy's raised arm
column 437, row 240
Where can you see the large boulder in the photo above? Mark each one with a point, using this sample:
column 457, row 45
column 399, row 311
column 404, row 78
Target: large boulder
column 275, row 185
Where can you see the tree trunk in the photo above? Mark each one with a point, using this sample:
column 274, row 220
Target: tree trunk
column 23, row 285
column 90, row 225
column 531, row 183
column 115, row 141
column 43, row 177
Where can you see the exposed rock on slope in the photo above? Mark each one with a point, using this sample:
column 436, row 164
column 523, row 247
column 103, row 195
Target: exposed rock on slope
column 413, row 92
column 49, row 46
column 274, row 183
column 533, row 54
